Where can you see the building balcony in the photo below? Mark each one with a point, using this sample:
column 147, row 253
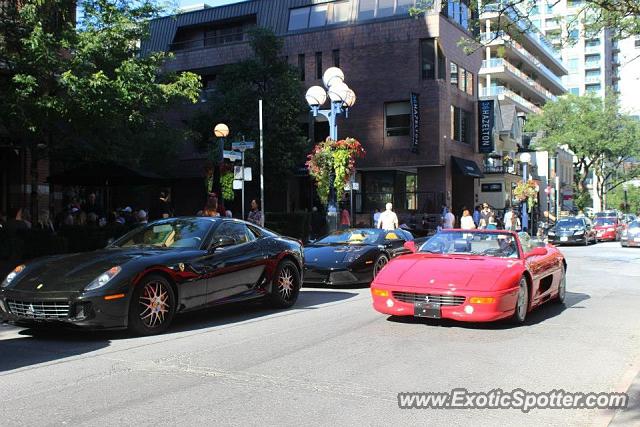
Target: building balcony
column 592, row 65
column 592, row 49
column 504, row 93
column 504, row 70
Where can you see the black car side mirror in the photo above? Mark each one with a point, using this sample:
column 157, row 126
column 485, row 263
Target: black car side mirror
column 222, row 242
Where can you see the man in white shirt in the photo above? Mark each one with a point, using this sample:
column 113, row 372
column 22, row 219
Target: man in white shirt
column 388, row 219
column 508, row 219
column 449, row 219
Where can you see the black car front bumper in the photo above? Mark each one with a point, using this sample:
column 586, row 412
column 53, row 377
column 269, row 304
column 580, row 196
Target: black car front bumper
column 64, row 308
column 564, row 239
column 336, row 276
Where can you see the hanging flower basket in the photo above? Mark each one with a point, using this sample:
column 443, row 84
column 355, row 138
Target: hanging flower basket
column 527, row 192
column 335, row 159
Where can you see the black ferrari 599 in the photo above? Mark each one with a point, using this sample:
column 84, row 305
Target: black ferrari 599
column 353, row 256
column 146, row 277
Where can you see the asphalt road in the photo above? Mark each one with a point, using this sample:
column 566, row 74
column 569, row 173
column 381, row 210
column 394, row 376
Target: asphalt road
column 333, row 360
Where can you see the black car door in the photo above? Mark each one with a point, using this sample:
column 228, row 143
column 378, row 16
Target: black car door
column 394, row 243
column 237, row 265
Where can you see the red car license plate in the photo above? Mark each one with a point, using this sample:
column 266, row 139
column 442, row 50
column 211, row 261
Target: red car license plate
column 427, row 309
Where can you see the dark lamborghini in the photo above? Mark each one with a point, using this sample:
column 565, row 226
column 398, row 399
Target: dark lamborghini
column 146, row 277
column 353, row 256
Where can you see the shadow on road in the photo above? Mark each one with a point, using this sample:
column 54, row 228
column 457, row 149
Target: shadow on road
column 54, row 343
column 538, row 315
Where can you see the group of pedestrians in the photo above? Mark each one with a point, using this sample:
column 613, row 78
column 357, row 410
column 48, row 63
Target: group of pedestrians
column 483, row 217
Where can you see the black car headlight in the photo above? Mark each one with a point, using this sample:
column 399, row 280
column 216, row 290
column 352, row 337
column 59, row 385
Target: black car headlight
column 103, row 279
column 11, row 276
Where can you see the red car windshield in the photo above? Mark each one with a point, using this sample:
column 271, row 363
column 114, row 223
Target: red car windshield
column 605, row 221
column 501, row 245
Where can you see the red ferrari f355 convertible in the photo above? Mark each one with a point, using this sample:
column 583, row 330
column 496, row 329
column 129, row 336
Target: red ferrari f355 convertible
column 472, row 276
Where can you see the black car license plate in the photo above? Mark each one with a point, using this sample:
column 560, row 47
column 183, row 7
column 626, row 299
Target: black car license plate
column 427, row 309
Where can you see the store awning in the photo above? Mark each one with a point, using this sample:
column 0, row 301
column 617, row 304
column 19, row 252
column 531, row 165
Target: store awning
column 467, row 167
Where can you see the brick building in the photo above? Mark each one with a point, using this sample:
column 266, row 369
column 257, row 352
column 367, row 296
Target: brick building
column 386, row 56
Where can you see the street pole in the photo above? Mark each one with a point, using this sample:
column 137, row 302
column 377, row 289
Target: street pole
column 261, row 160
column 525, row 213
column 557, row 195
column 243, row 182
column 626, row 208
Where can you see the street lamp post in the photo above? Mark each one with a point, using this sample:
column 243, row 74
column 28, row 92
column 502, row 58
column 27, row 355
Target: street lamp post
column 342, row 98
column 625, row 187
column 221, row 131
column 525, row 158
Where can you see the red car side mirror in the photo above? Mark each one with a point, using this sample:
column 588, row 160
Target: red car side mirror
column 537, row 252
column 410, row 246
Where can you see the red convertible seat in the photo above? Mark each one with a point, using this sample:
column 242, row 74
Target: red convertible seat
column 483, row 245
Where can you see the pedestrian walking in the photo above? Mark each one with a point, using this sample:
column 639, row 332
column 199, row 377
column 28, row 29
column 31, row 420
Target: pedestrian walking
column 376, row 217
column 255, row 214
column 509, row 217
column 466, row 221
column 449, row 219
column 388, row 219
column 476, row 216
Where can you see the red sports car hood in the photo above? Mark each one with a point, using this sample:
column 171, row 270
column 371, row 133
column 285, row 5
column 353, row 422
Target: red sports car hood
column 448, row 272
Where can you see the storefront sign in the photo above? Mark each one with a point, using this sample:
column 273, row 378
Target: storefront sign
column 491, row 188
column 415, row 122
column 485, row 123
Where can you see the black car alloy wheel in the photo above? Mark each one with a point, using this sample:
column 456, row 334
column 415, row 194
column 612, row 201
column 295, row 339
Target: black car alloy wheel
column 381, row 261
column 152, row 306
column 285, row 285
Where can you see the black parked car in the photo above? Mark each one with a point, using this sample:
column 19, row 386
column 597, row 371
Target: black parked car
column 147, row 276
column 572, row 230
column 353, row 256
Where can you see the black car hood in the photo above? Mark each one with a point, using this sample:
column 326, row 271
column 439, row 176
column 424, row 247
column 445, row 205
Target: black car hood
column 330, row 255
column 73, row 272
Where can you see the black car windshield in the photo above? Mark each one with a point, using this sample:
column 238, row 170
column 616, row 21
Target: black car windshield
column 354, row 236
column 472, row 243
column 605, row 221
column 167, row 233
column 571, row 223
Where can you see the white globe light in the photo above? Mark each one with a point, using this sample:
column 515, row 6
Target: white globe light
column 350, row 98
column 338, row 92
column 332, row 76
column 221, row 130
column 525, row 158
column 316, row 96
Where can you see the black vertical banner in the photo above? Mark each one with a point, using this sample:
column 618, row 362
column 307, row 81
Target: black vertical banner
column 485, row 124
column 415, row 122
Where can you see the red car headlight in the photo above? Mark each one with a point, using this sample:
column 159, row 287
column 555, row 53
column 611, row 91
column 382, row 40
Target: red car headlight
column 379, row 292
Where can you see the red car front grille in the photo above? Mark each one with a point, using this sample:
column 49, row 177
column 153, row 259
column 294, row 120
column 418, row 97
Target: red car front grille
column 443, row 300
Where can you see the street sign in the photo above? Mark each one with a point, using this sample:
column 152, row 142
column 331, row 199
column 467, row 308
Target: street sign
column 237, row 173
column 237, row 184
column 356, row 186
column 243, row 145
column 232, row 155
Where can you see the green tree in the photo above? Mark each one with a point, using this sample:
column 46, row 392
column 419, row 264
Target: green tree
column 76, row 91
column 603, row 140
column 615, row 199
column 269, row 77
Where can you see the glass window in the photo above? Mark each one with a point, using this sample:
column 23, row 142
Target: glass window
column 169, row 233
column 453, row 73
column 427, row 52
column 592, row 73
column 403, row 7
column 397, row 118
column 572, row 65
column 462, row 78
column 301, row 66
column 574, row 91
column 236, row 230
column 367, row 9
column 592, row 43
column 461, row 122
column 455, row 123
column 298, row 18
column 464, row 15
column 341, row 12
column 318, row 16
column 592, row 88
column 469, row 84
column 442, row 64
column 336, row 57
column 385, row 8
column 318, row 65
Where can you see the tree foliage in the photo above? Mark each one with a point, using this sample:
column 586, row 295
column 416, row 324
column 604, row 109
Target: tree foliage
column 80, row 89
column 604, row 141
column 239, row 86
